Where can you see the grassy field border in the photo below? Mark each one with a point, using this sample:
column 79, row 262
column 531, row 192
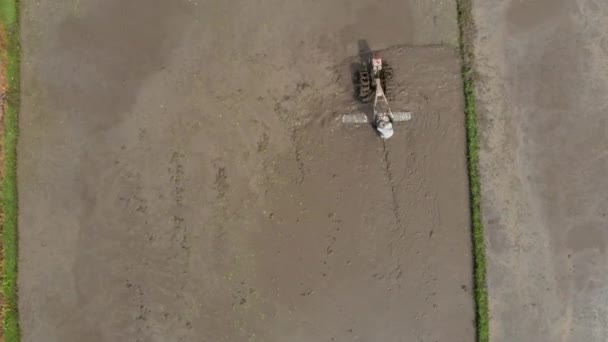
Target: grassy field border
column 9, row 21
column 467, row 31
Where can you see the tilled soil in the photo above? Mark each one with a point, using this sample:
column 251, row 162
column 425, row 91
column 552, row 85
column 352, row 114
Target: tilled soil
column 542, row 67
column 184, row 175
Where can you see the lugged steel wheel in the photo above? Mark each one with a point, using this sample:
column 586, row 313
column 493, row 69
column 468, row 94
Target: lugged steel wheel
column 388, row 91
column 387, row 72
column 364, row 85
column 386, row 77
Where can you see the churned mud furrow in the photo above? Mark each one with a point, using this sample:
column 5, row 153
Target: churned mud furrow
column 391, row 183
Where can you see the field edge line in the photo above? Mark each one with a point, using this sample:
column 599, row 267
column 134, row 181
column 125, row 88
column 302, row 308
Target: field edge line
column 466, row 27
column 9, row 23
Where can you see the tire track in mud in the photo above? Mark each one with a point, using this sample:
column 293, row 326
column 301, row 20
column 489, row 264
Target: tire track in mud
column 180, row 231
column 391, row 182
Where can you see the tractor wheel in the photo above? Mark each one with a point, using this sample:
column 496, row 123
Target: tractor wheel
column 387, row 72
column 364, row 85
column 387, row 86
column 388, row 91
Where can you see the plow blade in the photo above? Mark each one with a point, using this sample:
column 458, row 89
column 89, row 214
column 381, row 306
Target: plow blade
column 363, row 119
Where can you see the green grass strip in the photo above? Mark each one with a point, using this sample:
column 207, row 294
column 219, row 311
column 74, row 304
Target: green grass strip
column 467, row 29
column 9, row 19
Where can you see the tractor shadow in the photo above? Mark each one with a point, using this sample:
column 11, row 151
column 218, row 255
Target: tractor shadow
column 364, row 55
